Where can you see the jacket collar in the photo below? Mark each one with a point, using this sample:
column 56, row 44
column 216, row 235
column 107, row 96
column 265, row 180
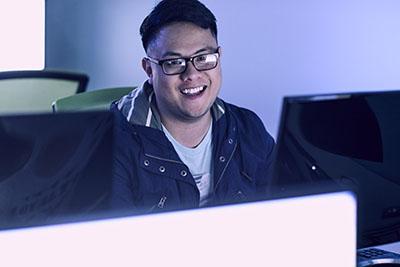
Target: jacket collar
column 140, row 108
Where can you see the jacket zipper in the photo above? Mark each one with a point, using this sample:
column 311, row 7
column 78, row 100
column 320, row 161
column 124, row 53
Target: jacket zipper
column 161, row 203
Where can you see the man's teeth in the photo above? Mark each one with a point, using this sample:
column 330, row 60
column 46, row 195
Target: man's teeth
column 193, row 91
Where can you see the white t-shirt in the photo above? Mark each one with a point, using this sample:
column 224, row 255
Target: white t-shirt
column 199, row 162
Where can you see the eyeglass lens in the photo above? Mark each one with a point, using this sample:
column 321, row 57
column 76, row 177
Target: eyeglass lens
column 201, row 62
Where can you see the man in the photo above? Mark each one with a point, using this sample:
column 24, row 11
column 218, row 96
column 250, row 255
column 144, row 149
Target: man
column 179, row 145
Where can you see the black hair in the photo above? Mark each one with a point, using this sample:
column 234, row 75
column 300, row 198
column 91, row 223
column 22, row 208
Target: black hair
column 170, row 11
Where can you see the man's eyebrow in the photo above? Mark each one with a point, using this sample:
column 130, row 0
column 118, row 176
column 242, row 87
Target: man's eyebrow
column 206, row 49
column 171, row 54
column 176, row 54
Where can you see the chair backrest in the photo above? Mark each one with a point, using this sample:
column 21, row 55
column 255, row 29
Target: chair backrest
column 34, row 91
column 92, row 100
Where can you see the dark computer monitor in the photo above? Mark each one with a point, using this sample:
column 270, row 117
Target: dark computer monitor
column 54, row 167
column 349, row 140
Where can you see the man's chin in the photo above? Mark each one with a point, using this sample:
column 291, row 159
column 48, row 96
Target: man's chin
column 194, row 116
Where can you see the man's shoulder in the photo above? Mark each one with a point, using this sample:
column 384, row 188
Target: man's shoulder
column 240, row 110
column 121, row 124
column 251, row 129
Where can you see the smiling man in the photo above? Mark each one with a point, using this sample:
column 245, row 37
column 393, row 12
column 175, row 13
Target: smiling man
column 178, row 144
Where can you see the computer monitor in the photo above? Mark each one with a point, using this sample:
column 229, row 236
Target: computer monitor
column 313, row 231
column 54, row 167
column 349, row 140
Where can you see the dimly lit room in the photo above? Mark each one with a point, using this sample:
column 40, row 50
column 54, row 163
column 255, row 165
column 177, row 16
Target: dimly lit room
column 131, row 134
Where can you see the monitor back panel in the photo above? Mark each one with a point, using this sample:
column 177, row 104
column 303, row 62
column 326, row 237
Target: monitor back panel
column 53, row 166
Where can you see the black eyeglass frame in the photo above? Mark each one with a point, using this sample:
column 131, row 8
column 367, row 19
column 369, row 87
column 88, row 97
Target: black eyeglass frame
column 187, row 59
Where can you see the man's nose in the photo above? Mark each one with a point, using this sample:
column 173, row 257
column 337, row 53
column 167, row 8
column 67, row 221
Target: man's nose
column 190, row 72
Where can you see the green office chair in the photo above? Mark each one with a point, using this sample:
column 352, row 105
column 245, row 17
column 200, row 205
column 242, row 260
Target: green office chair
column 91, row 100
column 34, row 91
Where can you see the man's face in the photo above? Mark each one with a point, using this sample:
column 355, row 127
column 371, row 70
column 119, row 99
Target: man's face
column 185, row 97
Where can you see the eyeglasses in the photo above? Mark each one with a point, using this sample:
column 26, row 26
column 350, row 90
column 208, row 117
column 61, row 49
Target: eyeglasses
column 179, row 65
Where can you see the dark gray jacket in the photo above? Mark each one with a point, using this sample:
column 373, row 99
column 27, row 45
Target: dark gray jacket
column 150, row 177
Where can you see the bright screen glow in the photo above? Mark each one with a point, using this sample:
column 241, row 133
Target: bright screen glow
column 311, row 231
column 22, row 34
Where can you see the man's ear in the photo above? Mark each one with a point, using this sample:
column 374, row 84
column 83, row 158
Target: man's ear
column 146, row 65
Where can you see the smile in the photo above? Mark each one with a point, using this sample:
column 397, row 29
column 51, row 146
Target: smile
column 193, row 91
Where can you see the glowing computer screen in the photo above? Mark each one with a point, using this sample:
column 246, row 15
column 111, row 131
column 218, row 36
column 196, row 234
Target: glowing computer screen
column 22, row 28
